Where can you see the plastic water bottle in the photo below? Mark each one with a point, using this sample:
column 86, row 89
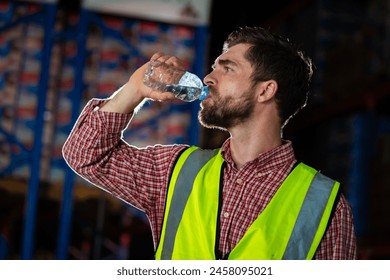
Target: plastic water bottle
column 184, row 85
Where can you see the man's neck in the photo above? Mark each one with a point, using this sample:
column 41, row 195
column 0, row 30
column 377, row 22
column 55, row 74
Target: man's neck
column 250, row 143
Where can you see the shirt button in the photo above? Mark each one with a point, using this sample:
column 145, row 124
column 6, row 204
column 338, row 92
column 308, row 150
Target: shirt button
column 226, row 214
column 239, row 181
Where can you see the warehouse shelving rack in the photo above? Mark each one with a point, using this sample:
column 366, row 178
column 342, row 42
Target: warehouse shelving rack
column 46, row 16
column 32, row 155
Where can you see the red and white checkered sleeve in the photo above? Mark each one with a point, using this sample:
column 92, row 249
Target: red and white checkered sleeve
column 96, row 151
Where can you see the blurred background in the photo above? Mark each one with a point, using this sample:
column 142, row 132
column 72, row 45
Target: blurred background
column 56, row 55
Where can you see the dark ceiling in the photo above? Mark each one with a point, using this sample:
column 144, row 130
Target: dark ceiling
column 228, row 15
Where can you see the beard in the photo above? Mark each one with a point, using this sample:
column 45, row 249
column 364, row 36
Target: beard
column 226, row 112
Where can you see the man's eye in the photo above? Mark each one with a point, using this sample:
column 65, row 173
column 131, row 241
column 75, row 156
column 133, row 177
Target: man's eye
column 227, row 69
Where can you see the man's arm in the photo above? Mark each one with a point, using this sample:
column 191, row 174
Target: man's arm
column 339, row 241
column 96, row 151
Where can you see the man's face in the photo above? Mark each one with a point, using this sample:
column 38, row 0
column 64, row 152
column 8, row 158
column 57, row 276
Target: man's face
column 231, row 99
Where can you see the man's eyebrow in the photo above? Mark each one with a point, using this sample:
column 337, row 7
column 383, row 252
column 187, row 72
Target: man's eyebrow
column 226, row 62
column 223, row 62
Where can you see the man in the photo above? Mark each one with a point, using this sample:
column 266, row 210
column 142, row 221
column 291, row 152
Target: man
column 250, row 199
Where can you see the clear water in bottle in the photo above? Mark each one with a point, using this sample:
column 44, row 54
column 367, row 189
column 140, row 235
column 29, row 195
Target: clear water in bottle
column 184, row 85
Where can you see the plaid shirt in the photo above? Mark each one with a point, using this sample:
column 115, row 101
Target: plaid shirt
column 139, row 176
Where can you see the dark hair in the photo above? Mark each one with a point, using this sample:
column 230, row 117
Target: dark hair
column 274, row 57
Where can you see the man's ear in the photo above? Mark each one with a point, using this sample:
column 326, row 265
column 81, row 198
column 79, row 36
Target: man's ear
column 267, row 90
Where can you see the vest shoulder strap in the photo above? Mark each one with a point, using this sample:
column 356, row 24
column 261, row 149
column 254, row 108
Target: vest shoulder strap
column 187, row 168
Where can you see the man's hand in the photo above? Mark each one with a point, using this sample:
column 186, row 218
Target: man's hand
column 132, row 94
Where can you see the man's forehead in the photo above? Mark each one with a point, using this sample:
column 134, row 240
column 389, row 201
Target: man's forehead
column 236, row 54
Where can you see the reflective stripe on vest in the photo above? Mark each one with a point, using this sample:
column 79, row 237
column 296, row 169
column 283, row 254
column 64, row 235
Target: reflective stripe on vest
column 290, row 227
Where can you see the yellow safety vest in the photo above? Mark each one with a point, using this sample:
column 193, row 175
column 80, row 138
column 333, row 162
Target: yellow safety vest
column 290, row 227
